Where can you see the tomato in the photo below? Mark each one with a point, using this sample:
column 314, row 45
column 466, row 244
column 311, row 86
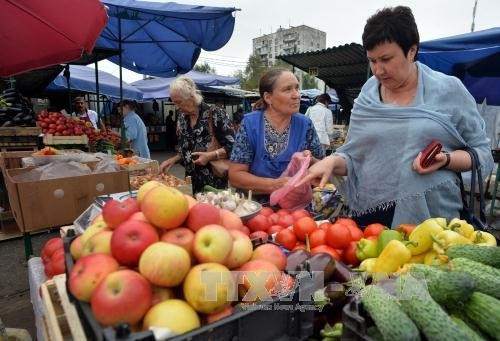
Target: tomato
column 304, row 226
column 274, row 229
column 374, row 229
column 265, row 211
column 283, row 211
column 286, row 220
column 346, row 221
column 274, row 218
column 51, row 246
column 259, row 235
column 324, row 225
column 60, row 128
column 44, row 124
column 258, row 223
column 356, row 233
column 372, row 237
column 349, row 255
column 326, row 249
column 338, row 236
column 299, row 246
column 318, row 237
column 52, row 126
column 297, row 214
column 286, row 238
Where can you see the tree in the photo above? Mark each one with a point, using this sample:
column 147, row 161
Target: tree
column 205, row 68
column 253, row 71
column 282, row 64
column 309, row 81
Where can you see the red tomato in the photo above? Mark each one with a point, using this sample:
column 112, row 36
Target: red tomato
column 349, row 255
column 372, row 237
column 325, row 225
column 44, row 124
column 274, row 218
column 299, row 214
column 338, row 236
column 258, row 223
column 266, row 211
column 356, row 233
column 259, row 234
column 317, row 238
column 283, row 211
column 304, row 226
column 300, row 246
column 286, row 238
column 285, row 220
column 51, row 246
column 373, row 229
column 326, row 249
column 274, row 229
column 346, row 221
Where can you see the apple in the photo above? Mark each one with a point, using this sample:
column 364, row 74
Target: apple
column 76, row 248
column 203, row 214
column 145, row 188
column 92, row 229
column 98, row 243
column 242, row 250
column 181, row 236
column 227, row 311
column 191, row 201
column 97, row 218
column 123, row 296
column 116, row 212
column 258, row 223
column 51, row 246
column 271, row 253
column 164, row 264
column 165, row 207
column 176, row 315
column 259, row 235
column 230, row 220
column 258, row 277
column 161, row 294
column 130, row 239
column 245, row 230
column 209, row 288
column 87, row 272
column 212, row 243
column 139, row 216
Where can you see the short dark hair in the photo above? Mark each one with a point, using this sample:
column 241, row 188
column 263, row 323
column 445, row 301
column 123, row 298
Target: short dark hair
column 392, row 24
column 131, row 104
column 267, row 83
column 323, row 98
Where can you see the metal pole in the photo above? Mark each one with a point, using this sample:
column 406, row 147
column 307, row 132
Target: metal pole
column 122, row 128
column 473, row 16
column 68, row 75
column 97, row 91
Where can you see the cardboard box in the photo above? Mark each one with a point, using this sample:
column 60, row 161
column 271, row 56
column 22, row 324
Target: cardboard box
column 38, row 205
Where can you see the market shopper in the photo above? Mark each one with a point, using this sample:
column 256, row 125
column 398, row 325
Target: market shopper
column 322, row 119
column 268, row 137
column 194, row 135
column 400, row 110
column 135, row 129
column 87, row 115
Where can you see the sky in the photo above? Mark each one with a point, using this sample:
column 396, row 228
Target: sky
column 342, row 20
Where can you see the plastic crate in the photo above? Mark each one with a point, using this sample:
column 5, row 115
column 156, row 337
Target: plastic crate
column 355, row 322
column 242, row 325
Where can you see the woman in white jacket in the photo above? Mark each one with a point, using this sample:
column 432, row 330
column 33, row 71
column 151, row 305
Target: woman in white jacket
column 322, row 119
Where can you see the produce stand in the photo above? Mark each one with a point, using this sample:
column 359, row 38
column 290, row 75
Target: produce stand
column 19, row 138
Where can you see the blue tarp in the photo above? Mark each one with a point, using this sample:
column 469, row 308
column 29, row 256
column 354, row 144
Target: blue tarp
column 159, row 87
column 83, row 78
column 164, row 39
column 472, row 57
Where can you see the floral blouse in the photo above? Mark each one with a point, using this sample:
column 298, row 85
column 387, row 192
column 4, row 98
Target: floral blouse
column 198, row 139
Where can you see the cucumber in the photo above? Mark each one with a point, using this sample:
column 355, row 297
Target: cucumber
column 484, row 311
column 489, row 255
column 385, row 311
column 471, row 334
column 487, row 278
column 430, row 318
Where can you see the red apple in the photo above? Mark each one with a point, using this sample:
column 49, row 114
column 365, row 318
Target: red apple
column 130, row 239
column 245, row 230
column 212, row 243
column 272, row 253
column 201, row 215
column 259, row 235
column 161, row 294
column 139, row 216
column 181, row 236
column 123, row 296
column 52, row 245
column 87, row 272
column 258, row 277
column 286, row 220
column 116, row 212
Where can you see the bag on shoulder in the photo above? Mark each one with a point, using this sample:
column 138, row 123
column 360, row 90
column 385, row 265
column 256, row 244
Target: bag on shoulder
column 220, row 167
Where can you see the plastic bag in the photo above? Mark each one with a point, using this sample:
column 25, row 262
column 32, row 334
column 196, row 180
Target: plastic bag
column 288, row 196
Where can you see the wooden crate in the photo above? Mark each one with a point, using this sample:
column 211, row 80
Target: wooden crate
column 52, row 140
column 20, row 131
column 61, row 320
column 9, row 160
column 144, row 167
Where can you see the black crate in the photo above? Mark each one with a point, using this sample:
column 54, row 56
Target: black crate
column 277, row 323
column 355, row 322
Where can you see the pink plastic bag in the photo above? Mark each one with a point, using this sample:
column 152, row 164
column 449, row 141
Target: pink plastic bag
column 288, row 196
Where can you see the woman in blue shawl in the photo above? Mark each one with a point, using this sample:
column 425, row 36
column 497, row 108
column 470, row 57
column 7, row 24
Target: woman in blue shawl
column 400, row 111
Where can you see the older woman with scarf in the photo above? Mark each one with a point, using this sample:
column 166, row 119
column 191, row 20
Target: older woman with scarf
column 400, row 110
column 196, row 128
column 268, row 137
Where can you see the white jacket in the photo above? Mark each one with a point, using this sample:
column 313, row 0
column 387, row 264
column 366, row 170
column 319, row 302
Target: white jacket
column 322, row 119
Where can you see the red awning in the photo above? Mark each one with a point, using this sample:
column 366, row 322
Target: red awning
column 39, row 33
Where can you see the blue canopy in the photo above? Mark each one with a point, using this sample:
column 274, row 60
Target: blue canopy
column 164, row 39
column 83, row 78
column 159, row 87
column 472, row 57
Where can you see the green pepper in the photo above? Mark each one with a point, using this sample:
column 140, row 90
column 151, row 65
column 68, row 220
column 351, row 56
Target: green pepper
column 366, row 248
column 385, row 237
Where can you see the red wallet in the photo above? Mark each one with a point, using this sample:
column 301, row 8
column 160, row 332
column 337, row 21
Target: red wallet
column 429, row 154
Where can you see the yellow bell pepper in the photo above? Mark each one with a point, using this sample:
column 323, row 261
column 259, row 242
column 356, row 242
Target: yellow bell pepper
column 392, row 257
column 441, row 222
column 430, row 257
column 483, row 238
column 417, row 259
column 461, row 226
column 422, row 236
column 368, row 266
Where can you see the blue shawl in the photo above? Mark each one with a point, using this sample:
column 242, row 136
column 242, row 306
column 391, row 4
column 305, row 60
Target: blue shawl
column 384, row 139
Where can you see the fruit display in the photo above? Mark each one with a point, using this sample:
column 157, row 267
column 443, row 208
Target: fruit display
column 168, row 180
column 46, row 151
column 167, row 253
column 15, row 110
column 53, row 257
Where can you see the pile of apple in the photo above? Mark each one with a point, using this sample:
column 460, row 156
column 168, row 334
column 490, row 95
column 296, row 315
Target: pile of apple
column 167, row 261
column 53, row 257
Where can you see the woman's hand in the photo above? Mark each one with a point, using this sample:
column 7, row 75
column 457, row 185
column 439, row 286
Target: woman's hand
column 203, row 158
column 319, row 172
column 440, row 161
column 167, row 164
